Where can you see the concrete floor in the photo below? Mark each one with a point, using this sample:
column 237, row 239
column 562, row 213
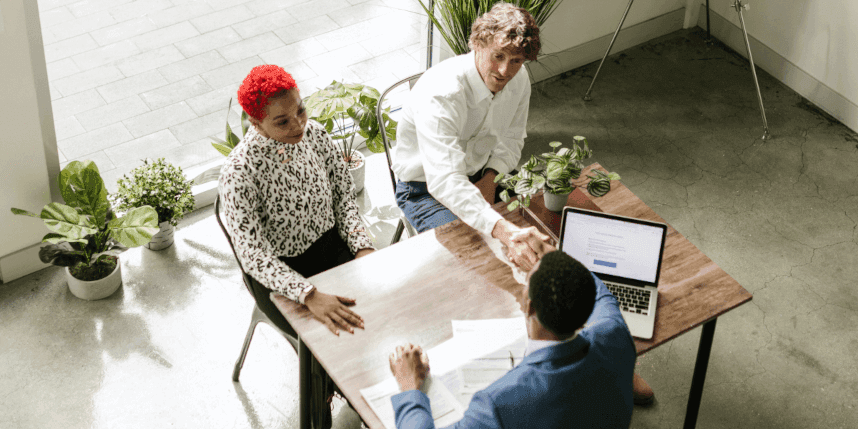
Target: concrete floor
column 677, row 118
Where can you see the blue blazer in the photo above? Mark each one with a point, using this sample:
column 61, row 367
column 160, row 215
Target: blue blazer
column 582, row 383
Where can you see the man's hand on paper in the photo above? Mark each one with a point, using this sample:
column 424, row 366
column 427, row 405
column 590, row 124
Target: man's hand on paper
column 410, row 367
column 524, row 246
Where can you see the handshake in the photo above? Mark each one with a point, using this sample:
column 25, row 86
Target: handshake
column 523, row 246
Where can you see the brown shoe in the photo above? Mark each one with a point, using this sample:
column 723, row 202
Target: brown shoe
column 641, row 392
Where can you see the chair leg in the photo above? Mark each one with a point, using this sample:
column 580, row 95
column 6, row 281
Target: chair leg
column 400, row 226
column 255, row 318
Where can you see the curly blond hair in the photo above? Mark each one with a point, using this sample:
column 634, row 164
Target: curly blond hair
column 514, row 28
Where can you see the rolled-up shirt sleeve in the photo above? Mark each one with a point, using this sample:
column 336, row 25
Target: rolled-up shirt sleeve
column 349, row 225
column 443, row 155
column 507, row 153
column 241, row 209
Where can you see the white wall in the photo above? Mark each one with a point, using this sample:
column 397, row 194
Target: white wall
column 819, row 38
column 27, row 139
column 577, row 22
column 579, row 32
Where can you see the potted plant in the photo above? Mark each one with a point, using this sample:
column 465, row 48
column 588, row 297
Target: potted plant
column 162, row 186
column 337, row 104
column 86, row 235
column 555, row 172
column 454, row 18
column 230, row 140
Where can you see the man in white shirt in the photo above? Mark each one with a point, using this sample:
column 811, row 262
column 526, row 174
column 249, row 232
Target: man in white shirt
column 463, row 125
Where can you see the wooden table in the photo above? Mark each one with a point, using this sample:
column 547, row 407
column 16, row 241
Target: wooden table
column 410, row 291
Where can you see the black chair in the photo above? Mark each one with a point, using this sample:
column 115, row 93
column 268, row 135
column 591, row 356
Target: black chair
column 403, row 223
column 312, row 383
column 257, row 315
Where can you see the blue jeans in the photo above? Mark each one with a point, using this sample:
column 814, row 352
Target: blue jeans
column 421, row 209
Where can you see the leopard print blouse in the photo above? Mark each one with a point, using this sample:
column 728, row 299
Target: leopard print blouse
column 278, row 198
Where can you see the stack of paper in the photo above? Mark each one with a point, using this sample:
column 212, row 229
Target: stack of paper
column 480, row 352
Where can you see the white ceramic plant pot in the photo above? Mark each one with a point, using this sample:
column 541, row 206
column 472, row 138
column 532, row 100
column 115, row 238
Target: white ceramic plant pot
column 555, row 202
column 359, row 172
column 163, row 238
column 96, row 289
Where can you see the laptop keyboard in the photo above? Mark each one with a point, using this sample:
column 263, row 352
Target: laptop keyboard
column 633, row 300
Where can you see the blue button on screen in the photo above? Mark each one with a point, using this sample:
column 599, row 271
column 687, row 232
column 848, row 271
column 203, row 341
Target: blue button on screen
column 605, row 263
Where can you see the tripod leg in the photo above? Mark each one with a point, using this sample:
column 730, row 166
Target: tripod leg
column 613, row 39
column 739, row 6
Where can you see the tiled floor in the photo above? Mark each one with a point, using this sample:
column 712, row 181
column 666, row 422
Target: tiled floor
column 152, row 78
column 675, row 117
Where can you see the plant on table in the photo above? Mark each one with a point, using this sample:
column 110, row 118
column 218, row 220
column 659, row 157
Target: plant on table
column 336, row 104
column 86, row 235
column 157, row 184
column 555, row 172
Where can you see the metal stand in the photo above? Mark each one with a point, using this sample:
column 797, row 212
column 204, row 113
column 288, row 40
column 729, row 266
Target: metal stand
column 613, row 39
column 699, row 376
column 738, row 5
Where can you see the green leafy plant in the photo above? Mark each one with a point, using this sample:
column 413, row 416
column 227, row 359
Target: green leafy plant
column 335, row 104
column 231, row 140
column 158, row 184
column 555, row 172
column 453, row 18
column 600, row 182
column 86, row 235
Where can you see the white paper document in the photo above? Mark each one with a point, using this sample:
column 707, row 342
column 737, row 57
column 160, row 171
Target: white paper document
column 480, row 353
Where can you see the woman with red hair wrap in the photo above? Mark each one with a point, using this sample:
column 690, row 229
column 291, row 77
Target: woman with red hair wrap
column 289, row 202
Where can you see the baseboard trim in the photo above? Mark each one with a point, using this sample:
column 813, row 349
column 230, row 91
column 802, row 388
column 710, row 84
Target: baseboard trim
column 550, row 65
column 21, row 263
column 782, row 69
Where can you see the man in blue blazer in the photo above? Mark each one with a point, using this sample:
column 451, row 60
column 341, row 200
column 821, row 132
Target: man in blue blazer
column 578, row 368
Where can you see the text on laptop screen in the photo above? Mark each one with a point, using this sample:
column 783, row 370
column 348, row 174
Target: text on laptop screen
column 613, row 246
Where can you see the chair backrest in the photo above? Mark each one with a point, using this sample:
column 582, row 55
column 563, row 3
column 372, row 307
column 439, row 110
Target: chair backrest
column 244, row 276
column 411, row 80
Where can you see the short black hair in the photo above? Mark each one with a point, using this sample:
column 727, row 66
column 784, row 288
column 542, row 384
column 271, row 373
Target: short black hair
column 563, row 293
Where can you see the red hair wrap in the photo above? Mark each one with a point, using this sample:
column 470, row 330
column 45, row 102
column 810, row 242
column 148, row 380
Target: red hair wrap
column 262, row 83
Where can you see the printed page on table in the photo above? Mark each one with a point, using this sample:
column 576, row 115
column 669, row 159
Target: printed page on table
column 446, row 410
column 459, row 368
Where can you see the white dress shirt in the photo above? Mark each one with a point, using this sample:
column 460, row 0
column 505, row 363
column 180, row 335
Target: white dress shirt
column 452, row 127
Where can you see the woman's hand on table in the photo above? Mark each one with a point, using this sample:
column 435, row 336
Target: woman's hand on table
column 333, row 311
column 410, row 367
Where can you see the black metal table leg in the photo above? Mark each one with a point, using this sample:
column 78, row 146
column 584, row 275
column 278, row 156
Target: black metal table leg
column 305, row 360
column 699, row 374
column 708, row 34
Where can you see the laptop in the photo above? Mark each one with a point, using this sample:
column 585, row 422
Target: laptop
column 625, row 253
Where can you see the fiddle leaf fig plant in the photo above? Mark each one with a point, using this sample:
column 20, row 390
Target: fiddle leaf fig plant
column 555, row 172
column 86, row 235
column 333, row 105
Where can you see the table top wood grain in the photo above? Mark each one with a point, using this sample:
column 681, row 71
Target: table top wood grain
column 410, row 291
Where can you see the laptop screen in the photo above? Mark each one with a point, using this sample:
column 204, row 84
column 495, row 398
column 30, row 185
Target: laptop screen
column 614, row 246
